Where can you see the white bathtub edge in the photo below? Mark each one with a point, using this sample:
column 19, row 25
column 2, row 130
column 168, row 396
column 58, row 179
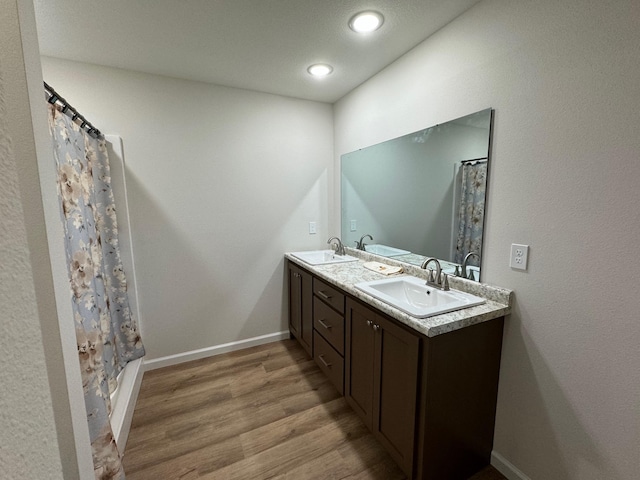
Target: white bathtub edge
column 506, row 468
column 125, row 404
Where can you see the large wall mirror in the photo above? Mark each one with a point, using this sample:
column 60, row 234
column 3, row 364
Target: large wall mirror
column 421, row 195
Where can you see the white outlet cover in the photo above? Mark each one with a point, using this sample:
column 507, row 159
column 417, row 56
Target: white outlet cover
column 312, row 228
column 519, row 256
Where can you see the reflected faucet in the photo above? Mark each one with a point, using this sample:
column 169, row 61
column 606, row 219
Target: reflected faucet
column 464, row 273
column 360, row 244
column 436, row 280
column 339, row 246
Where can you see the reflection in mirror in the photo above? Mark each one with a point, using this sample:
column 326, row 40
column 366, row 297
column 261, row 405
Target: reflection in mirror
column 421, row 195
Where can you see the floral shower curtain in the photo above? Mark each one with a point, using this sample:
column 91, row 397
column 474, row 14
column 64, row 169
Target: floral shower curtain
column 471, row 213
column 106, row 333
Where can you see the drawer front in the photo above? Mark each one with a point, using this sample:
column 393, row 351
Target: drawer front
column 329, row 295
column 329, row 324
column 329, row 361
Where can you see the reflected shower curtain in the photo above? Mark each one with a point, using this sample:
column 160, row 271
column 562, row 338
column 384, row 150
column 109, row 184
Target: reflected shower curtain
column 471, row 212
column 106, row 333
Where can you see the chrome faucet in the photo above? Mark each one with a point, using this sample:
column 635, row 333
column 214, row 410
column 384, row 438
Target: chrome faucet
column 339, row 246
column 440, row 280
column 464, row 273
column 360, row 244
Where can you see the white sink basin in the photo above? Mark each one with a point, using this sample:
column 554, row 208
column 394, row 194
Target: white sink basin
column 385, row 250
column 323, row 257
column 413, row 296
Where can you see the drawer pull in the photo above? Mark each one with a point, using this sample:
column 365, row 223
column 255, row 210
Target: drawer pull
column 321, row 358
column 324, row 295
column 321, row 322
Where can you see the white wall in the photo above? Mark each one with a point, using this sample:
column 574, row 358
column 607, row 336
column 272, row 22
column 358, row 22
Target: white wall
column 26, row 403
column 221, row 183
column 563, row 80
column 38, row 407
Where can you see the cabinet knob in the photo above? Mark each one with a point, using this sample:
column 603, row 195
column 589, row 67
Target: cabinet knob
column 376, row 327
column 369, row 323
column 324, row 295
column 321, row 322
column 324, row 362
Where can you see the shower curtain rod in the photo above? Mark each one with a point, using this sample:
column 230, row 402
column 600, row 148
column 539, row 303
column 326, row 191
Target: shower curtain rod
column 67, row 109
column 479, row 160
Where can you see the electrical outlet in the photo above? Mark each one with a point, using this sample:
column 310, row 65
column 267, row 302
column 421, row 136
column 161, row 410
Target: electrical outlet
column 519, row 255
column 312, row 228
column 353, row 225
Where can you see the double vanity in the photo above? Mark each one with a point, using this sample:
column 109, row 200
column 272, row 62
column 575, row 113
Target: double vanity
column 419, row 365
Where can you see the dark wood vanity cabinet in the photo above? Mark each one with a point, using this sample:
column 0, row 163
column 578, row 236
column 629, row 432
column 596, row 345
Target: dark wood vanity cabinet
column 381, row 379
column 301, row 305
column 430, row 401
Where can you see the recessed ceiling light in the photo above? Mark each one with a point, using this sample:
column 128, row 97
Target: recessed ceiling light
column 320, row 70
column 366, row 22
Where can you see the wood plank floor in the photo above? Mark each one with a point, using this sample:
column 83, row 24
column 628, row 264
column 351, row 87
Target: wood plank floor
column 266, row 412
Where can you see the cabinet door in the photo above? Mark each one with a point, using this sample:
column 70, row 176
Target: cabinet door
column 301, row 306
column 295, row 300
column 359, row 358
column 395, row 390
column 306, row 311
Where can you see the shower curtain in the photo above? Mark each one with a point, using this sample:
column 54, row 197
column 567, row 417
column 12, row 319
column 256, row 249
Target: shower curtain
column 106, row 334
column 471, row 212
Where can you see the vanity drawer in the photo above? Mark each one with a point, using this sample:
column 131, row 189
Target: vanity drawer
column 329, row 324
column 329, row 294
column 329, row 361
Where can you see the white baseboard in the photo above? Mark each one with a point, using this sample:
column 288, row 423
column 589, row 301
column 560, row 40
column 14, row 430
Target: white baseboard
column 506, row 468
column 211, row 351
column 125, row 402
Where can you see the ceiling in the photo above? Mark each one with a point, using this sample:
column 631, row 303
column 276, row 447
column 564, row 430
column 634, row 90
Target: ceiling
column 262, row 45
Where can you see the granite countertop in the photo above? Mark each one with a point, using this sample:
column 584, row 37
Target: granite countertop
column 346, row 275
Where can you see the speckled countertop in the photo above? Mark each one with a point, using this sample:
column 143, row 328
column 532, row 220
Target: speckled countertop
column 346, row 275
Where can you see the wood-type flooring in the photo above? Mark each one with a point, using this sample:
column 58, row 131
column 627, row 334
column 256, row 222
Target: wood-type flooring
column 265, row 412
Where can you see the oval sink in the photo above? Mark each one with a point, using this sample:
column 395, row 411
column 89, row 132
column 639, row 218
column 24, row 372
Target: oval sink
column 322, row 257
column 413, row 296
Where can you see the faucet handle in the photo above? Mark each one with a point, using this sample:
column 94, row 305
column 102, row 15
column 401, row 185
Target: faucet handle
column 431, row 276
column 445, row 282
